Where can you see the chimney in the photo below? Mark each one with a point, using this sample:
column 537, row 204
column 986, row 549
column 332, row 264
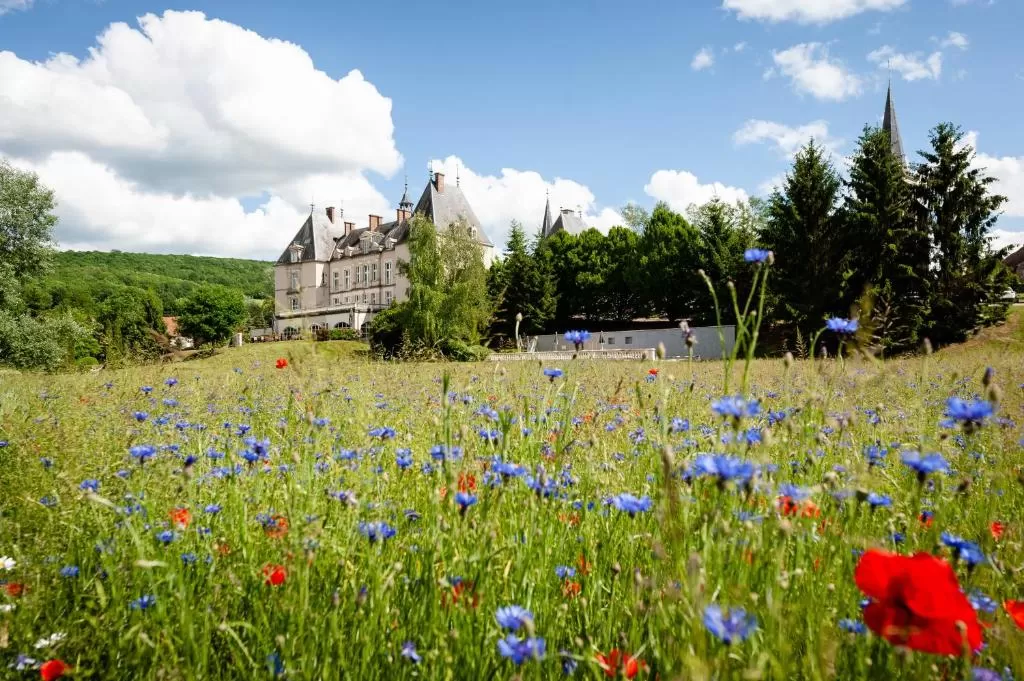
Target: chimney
column 439, row 182
column 330, row 214
column 374, row 222
column 349, row 226
column 401, row 214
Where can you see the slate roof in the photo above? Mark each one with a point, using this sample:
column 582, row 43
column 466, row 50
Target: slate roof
column 447, row 207
column 316, row 236
column 569, row 221
column 546, row 225
column 890, row 125
column 394, row 229
column 1015, row 259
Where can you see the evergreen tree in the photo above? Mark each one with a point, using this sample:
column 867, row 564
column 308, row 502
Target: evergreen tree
column 960, row 211
column 669, row 260
column 724, row 237
column 885, row 243
column 524, row 287
column 622, row 299
column 801, row 228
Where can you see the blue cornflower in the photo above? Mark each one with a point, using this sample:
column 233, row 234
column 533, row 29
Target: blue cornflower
column 736, row 407
column 569, row 663
column 409, row 652
column 970, row 413
column 577, row 337
column 878, row 500
column 875, row 454
column 757, row 255
column 729, row 626
column 165, row 537
column 189, row 559
column 48, row 501
column 142, row 452
column 411, row 515
column 376, row 530
column 965, row 550
column 464, row 500
column 275, row 665
column 383, row 432
column 46, row 462
column 844, row 327
column 212, row 509
column 144, row 602
column 981, row 602
column 852, row 626
column 512, row 617
column 631, row 504
column 140, row 416
column 794, row 492
column 519, row 650
column 69, row 571
column 925, row 465
column 171, row 382
column 403, row 457
column 679, row 425
column 982, row 674
column 723, row 467
column 565, row 572
column 147, row 389
column 553, row 373
column 441, row 453
column 90, row 485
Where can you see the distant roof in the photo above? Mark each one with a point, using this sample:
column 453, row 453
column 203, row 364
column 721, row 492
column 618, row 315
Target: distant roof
column 547, row 223
column 891, row 126
column 171, row 324
column 447, row 207
column 316, row 237
column 1015, row 258
column 570, row 222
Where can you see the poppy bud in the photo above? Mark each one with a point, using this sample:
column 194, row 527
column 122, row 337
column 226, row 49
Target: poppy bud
column 616, row 569
column 964, row 485
column 660, row 351
column 927, row 347
column 995, row 393
column 787, row 360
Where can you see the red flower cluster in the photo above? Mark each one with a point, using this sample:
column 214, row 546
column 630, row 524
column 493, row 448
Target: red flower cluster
column 52, row 669
column 917, row 603
column 282, row 363
column 275, row 575
column 789, row 506
column 997, row 529
column 652, row 372
column 1015, row 609
column 615, row 661
column 181, row 517
column 457, row 592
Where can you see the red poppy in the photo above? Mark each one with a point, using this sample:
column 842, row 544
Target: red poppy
column 652, row 372
column 52, row 669
column 275, row 575
column 571, row 589
column 277, row 527
column 584, row 565
column 181, row 517
column 282, row 363
column 788, row 506
column 615, row 661
column 467, row 482
column 997, row 529
column 1015, row 609
column 14, row 589
column 917, row 603
column 926, row 519
column 571, row 519
column 463, row 588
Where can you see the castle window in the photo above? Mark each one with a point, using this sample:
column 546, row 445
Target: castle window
column 295, row 281
column 629, row 340
column 387, row 272
column 335, row 277
column 373, row 299
column 295, row 302
column 387, row 297
column 346, row 279
column 366, row 270
column 373, row 269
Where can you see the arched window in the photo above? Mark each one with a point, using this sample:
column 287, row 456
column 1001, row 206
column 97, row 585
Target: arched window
column 290, row 332
column 342, row 325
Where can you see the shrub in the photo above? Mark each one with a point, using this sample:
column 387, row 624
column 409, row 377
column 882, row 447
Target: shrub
column 343, row 334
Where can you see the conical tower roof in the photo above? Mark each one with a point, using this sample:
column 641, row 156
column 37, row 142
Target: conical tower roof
column 891, row 126
column 547, row 224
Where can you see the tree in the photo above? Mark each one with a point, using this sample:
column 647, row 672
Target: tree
column 622, row 299
column 26, row 227
column 725, row 234
column 523, row 286
column 636, row 217
column 212, row 313
column 801, row 228
column 669, row 260
column 885, row 244
column 960, row 212
column 127, row 317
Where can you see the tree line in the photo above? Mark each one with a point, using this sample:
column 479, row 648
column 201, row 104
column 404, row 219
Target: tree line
column 903, row 248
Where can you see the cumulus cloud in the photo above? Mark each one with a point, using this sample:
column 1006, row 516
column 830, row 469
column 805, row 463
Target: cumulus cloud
column 680, row 189
column 914, row 66
column 807, row 11
column 153, row 139
column 1008, row 170
column 704, row 59
column 786, row 139
column 811, row 70
column 519, row 195
column 739, row 47
column 955, row 39
column 13, row 6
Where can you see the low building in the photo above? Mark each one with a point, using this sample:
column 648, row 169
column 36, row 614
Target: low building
column 1015, row 261
column 708, row 344
column 334, row 275
column 174, row 337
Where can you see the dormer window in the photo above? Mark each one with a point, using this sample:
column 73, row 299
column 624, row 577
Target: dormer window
column 296, row 252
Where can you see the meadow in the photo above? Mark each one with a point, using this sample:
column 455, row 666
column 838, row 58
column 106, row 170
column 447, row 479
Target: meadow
column 293, row 511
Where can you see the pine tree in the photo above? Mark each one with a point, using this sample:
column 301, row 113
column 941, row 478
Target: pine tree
column 669, row 261
column 960, row 211
column 723, row 240
column 526, row 289
column 801, row 230
column 886, row 245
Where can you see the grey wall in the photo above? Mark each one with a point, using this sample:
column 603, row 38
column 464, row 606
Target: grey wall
column 708, row 344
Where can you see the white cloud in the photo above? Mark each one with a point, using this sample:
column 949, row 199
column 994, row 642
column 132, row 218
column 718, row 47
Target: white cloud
column 913, row 66
column 13, row 5
column 956, row 39
column 811, row 70
column 771, row 184
column 704, row 59
column 1009, row 170
column 1006, row 238
column 680, row 189
column 519, row 195
column 787, row 140
column 739, row 47
column 807, row 11
column 153, row 140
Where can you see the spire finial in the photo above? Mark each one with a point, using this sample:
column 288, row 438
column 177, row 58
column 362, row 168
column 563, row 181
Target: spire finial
column 457, row 168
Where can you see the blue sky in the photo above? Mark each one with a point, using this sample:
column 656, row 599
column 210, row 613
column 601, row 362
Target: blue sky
column 202, row 133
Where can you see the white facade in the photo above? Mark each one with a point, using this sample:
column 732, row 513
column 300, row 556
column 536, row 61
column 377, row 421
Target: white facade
column 708, row 345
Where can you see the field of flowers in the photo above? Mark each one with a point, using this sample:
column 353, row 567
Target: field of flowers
column 279, row 512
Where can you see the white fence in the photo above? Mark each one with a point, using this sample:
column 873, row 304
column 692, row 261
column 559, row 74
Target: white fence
column 566, row 355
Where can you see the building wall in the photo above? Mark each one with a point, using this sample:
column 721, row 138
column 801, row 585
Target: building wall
column 708, row 344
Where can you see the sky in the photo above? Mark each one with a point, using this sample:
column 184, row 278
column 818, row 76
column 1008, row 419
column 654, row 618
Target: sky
column 210, row 128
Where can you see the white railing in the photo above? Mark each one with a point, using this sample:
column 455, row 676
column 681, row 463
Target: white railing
column 565, row 355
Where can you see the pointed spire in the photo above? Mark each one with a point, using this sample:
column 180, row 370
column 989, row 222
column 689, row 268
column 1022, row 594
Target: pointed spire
column 405, row 203
column 547, row 224
column 891, row 126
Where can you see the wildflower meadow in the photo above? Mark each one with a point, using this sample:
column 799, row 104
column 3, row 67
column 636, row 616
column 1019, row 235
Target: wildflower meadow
column 294, row 511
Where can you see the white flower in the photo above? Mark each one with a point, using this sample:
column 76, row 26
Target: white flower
column 6, row 607
column 22, row 663
column 51, row 640
column 7, row 563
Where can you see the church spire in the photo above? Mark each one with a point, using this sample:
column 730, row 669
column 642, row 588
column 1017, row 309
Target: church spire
column 405, row 204
column 890, row 125
column 547, row 224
